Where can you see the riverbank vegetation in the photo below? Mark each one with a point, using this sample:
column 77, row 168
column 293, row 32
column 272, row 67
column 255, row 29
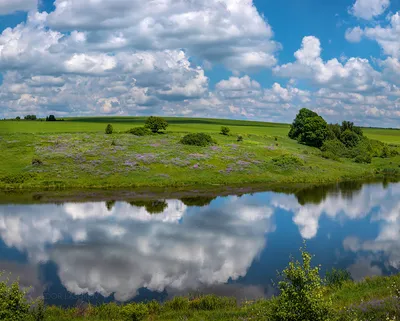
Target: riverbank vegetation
column 302, row 295
column 77, row 153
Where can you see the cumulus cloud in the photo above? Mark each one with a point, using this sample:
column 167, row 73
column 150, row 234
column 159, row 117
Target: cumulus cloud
column 9, row 7
column 369, row 9
column 355, row 74
column 354, row 34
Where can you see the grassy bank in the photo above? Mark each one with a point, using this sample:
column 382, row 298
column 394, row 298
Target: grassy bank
column 78, row 154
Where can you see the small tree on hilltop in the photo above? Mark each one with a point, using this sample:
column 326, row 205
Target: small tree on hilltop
column 155, row 124
column 298, row 124
column 109, row 129
column 315, row 131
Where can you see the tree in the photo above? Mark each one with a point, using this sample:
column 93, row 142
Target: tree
column 334, row 131
column 155, row 124
column 347, row 125
column 315, row 131
column 30, row 117
column 109, row 129
column 51, row 118
column 18, row 118
column 225, row 130
column 298, row 124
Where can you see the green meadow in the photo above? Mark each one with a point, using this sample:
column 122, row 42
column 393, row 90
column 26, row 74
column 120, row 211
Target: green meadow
column 76, row 153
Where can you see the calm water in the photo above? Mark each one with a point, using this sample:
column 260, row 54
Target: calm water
column 105, row 251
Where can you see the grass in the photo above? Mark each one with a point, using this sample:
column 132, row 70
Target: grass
column 76, row 153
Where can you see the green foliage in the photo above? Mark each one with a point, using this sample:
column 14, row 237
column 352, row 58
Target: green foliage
column 51, row 118
column 315, row 132
column 297, row 128
column 212, row 302
column 287, row 161
column 178, row 303
column 330, row 155
column 301, row 293
column 152, row 206
column 349, row 138
column 334, row 131
column 39, row 311
column 363, row 158
column 155, row 124
column 240, row 138
column 225, row 130
column 197, row 201
column 13, row 304
column 337, row 277
column 17, row 178
column 109, row 129
column 30, row 117
column 385, row 152
column 335, row 147
column 347, row 125
column 135, row 311
column 197, row 139
column 17, row 118
column 139, row 131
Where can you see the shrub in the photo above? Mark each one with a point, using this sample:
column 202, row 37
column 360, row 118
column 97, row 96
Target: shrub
column 240, row 138
column 197, row 139
column 212, row 302
column 301, row 293
column 39, row 311
column 139, row 131
column 109, row 129
column 330, row 155
column 335, row 278
column 335, row 147
column 334, row 131
column 155, row 124
column 177, row 304
column 13, row 304
column 385, row 152
column 135, row 311
column 363, row 158
column 287, row 161
column 349, row 138
column 225, row 130
column 36, row 162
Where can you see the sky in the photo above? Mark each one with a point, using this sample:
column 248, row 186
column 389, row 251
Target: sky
column 240, row 59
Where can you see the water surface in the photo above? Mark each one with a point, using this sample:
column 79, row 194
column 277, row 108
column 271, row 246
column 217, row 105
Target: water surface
column 141, row 250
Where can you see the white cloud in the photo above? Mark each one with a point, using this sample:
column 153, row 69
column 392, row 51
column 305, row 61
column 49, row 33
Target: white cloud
column 369, row 9
column 11, row 6
column 355, row 74
column 354, row 34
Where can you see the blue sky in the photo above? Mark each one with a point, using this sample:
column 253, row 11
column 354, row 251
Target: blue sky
column 237, row 59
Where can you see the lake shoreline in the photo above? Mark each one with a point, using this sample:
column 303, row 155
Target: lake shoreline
column 19, row 196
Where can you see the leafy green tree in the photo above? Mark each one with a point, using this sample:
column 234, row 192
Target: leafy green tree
column 349, row 138
column 347, row 125
column 358, row 131
column 18, row 118
column 51, row 118
column 152, row 206
column 109, row 129
column 30, row 117
column 298, row 124
column 302, row 293
column 225, row 130
column 155, row 124
column 315, row 131
column 334, row 131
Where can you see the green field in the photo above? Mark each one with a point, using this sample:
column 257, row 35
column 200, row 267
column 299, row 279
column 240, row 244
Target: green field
column 76, row 153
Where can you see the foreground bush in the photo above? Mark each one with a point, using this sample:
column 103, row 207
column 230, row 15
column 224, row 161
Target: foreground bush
column 197, row 139
column 13, row 304
column 302, row 293
column 139, row 131
column 135, row 311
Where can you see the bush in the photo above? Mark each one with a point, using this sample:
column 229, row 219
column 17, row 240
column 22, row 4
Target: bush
column 335, row 278
column 177, row 304
column 155, row 124
column 212, row 302
column 36, row 162
column 225, row 130
column 240, row 138
column 349, row 138
column 109, row 129
column 297, row 128
column 13, row 304
column 139, row 131
column 385, row 152
column 135, row 311
column 301, row 293
column 330, row 155
column 39, row 311
column 287, row 161
column 315, row 132
column 334, row 147
column 363, row 158
column 197, row 139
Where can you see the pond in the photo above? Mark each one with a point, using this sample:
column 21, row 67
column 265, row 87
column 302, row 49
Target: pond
column 232, row 245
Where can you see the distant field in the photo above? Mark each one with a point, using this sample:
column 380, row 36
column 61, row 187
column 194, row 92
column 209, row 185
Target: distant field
column 177, row 124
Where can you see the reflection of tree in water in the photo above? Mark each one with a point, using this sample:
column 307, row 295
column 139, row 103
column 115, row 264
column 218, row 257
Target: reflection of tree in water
column 317, row 194
column 151, row 206
column 197, row 201
column 110, row 205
